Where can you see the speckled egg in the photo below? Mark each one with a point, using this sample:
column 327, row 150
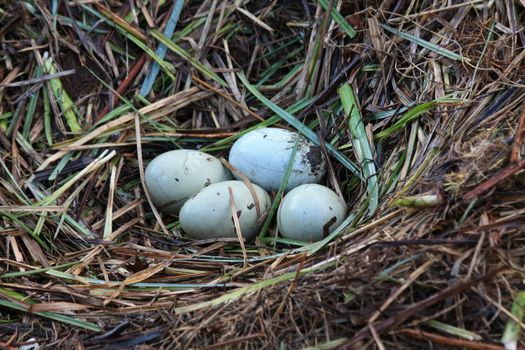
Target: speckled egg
column 263, row 155
column 208, row 214
column 309, row 212
column 173, row 177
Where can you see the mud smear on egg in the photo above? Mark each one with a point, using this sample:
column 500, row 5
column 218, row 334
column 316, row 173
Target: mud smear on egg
column 263, row 155
column 316, row 160
column 239, row 212
column 312, row 157
column 328, row 224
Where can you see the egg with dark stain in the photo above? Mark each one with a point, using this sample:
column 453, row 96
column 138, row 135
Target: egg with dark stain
column 263, row 155
column 310, row 212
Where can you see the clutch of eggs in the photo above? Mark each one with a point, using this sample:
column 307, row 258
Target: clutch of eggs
column 198, row 188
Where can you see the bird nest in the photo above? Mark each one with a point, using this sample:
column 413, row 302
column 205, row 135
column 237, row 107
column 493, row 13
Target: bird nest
column 418, row 107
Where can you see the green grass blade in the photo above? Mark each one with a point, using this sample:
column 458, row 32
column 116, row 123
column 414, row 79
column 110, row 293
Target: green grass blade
column 274, row 240
column 4, row 120
column 184, row 54
column 362, row 147
column 51, row 315
column 37, row 271
column 296, row 107
column 276, row 51
column 116, row 112
column 265, row 76
column 427, row 45
column 188, row 29
column 285, row 80
column 332, row 344
column 431, row 157
column 32, row 106
column 512, row 332
column 280, row 192
column 30, row 113
column 386, row 114
column 413, row 114
column 339, row 19
column 108, row 225
column 14, row 120
column 48, row 129
column 299, row 126
column 40, row 224
column 147, row 84
column 167, row 68
column 75, row 225
column 458, row 332
column 60, row 166
column 64, row 101
column 238, row 293
column 26, row 228
column 103, row 158
column 70, row 320
column 11, row 305
column 174, row 286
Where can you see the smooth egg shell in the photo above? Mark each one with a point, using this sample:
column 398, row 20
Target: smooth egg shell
column 208, row 214
column 173, row 177
column 263, row 155
column 307, row 211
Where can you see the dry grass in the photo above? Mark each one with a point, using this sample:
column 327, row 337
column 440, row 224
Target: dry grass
column 431, row 255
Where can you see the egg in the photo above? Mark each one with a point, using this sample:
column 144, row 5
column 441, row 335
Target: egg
column 310, row 211
column 208, row 214
column 173, row 177
column 263, row 155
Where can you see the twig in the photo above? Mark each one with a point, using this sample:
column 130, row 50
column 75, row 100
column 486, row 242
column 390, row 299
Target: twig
column 411, row 310
column 518, row 139
column 228, row 343
column 237, row 225
column 40, row 79
column 124, row 85
column 440, row 339
column 487, row 185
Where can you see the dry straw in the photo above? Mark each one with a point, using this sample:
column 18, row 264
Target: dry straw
column 417, row 104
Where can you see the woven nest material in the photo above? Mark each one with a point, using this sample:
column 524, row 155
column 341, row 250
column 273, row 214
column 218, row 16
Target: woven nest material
column 418, row 106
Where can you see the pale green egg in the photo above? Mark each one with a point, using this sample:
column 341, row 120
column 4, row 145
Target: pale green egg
column 173, row 177
column 308, row 212
column 208, row 214
column 263, row 156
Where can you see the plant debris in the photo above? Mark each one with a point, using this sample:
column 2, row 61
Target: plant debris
column 417, row 105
